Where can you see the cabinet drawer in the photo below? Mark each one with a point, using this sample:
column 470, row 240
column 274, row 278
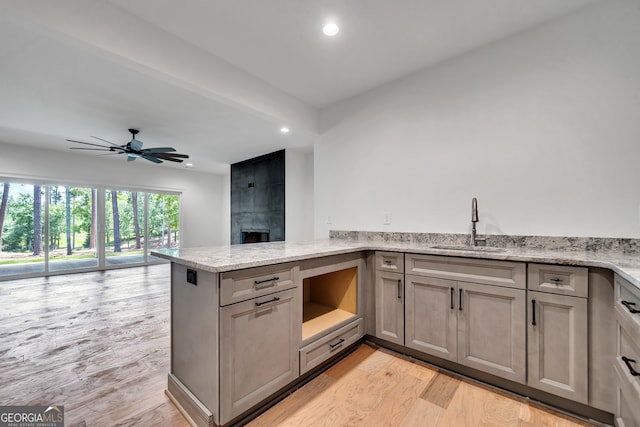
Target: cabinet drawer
column 558, row 279
column 390, row 261
column 628, row 347
column 241, row 285
column 626, row 400
column 488, row 272
column 324, row 348
column 627, row 306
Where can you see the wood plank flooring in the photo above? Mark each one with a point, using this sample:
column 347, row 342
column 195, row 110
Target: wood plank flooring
column 98, row 343
column 375, row 387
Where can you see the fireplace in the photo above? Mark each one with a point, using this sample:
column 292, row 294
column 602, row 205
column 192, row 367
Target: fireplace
column 255, row 236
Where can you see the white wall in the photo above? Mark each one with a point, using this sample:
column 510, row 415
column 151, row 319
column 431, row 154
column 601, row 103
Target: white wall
column 298, row 195
column 543, row 127
column 203, row 217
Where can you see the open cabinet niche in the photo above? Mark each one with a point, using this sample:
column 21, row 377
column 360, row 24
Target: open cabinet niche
column 329, row 299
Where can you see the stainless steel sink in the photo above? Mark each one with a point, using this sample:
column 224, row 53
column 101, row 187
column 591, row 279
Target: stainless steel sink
column 469, row 248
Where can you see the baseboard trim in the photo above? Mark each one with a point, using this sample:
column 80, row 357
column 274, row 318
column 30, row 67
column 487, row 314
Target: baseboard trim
column 188, row 404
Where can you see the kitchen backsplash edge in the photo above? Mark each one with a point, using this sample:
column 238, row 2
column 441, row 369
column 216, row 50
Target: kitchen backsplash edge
column 590, row 244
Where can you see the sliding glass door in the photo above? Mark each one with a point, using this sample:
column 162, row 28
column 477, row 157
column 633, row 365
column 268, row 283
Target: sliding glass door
column 72, row 228
column 164, row 221
column 60, row 228
column 124, row 227
column 21, row 228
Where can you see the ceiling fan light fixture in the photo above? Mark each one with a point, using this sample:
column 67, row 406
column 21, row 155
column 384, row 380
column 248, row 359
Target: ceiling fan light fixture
column 133, row 149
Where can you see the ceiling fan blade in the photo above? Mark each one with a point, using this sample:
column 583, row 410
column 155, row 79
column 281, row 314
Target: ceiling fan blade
column 92, row 149
column 151, row 159
column 158, row 150
column 104, row 140
column 175, row 155
column 170, row 159
column 88, row 143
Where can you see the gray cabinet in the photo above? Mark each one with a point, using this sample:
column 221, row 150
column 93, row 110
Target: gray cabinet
column 432, row 316
column 491, row 325
column 390, row 307
column 558, row 343
column 259, row 344
column 557, row 331
column 468, row 311
column 390, row 298
column 627, row 360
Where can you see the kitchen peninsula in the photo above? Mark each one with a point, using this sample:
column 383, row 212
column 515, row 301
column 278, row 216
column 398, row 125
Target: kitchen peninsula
column 249, row 322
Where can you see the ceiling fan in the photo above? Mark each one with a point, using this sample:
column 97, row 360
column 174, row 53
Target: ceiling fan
column 133, row 149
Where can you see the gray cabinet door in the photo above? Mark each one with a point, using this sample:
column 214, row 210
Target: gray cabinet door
column 258, row 350
column 491, row 330
column 431, row 313
column 558, row 345
column 390, row 307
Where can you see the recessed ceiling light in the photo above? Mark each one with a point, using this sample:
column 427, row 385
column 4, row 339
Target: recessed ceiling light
column 189, row 165
column 284, row 129
column 331, row 29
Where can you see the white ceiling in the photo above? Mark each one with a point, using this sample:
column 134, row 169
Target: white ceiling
column 216, row 79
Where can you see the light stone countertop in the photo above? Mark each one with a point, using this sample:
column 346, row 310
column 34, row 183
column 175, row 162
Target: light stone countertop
column 227, row 258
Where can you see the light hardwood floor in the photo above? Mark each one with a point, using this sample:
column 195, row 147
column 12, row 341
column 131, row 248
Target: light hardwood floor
column 98, row 343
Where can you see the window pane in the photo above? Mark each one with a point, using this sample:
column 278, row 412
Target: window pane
column 164, row 221
column 124, row 227
column 72, row 223
column 21, row 215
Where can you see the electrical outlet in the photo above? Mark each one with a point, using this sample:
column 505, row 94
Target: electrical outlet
column 386, row 218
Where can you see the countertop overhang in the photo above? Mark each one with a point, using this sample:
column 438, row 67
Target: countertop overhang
column 219, row 259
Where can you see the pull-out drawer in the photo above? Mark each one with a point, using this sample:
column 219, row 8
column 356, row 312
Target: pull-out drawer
column 627, row 304
column 242, row 285
column 324, row 348
column 627, row 352
column 558, row 279
column 627, row 398
column 390, row 261
column 487, row 272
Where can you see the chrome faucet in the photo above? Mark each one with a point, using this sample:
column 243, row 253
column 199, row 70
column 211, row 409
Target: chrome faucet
column 473, row 241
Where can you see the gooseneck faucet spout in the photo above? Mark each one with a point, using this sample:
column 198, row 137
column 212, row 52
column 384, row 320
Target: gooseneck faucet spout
column 474, row 219
column 474, row 210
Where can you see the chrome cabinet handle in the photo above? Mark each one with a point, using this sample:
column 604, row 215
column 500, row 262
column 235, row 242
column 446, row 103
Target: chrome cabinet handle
column 630, row 306
column 556, row 280
column 258, row 304
column 452, row 305
column 460, row 299
column 628, row 362
column 399, row 289
column 387, row 262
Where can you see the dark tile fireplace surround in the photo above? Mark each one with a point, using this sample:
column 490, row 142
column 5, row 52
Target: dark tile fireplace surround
column 257, row 199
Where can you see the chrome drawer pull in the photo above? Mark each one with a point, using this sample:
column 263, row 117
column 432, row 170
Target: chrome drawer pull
column 555, row 279
column 336, row 345
column 387, row 262
column 258, row 304
column 273, row 279
column 629, row 305
column 628, row 362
